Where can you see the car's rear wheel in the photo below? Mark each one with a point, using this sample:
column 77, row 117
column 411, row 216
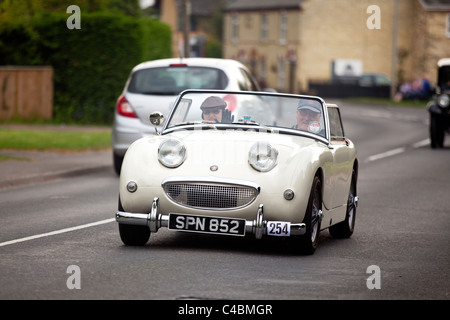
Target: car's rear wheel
column 132, row 235
column 345, row 228
column 307, row 243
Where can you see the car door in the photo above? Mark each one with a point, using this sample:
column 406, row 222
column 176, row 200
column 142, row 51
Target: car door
column 342, row 166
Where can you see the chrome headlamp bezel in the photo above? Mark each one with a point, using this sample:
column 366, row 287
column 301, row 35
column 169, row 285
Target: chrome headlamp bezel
column 171, row 153
column 443, row 100
column 263, row 156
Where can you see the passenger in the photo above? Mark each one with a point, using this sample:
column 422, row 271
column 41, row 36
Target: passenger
column 214, row 110
column 308, row 117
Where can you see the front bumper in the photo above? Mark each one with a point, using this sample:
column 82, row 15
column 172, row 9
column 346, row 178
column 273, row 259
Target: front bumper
column 156, row 220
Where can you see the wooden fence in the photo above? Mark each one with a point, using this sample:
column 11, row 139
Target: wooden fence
column 26, row 92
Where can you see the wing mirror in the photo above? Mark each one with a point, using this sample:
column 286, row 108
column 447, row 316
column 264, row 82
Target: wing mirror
column 157, row 119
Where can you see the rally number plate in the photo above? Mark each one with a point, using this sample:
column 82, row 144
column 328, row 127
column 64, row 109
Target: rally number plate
column 217, row 225
column 278, row 228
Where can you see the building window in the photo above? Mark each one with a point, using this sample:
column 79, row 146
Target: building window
column 264, row 27
column 283, row 28
column 262, row 70
column 281, row 74
column 447, row 25
column 234, row 28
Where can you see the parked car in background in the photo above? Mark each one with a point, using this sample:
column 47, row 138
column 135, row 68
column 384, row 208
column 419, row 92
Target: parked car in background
column 374, row 85
column 154, row 85
column 374, row 80
column 217, row 171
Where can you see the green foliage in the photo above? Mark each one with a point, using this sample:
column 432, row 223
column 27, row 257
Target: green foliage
column 13, row 10
column 90, row 64
column 213, row 49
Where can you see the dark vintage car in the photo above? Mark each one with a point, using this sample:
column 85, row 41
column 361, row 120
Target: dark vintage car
column 439, row 106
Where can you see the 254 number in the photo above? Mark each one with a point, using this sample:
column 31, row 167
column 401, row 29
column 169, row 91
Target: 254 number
column 278, row 228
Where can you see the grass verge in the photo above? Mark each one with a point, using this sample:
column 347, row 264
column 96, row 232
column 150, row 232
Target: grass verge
column 54, row 140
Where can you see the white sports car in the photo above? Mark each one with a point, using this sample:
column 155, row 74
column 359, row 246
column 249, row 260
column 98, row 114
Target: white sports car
column 238, row 163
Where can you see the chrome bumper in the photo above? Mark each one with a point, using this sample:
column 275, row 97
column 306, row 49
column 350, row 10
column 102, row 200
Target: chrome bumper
column 155, row 220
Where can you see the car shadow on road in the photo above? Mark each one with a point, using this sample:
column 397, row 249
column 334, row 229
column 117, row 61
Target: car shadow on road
column 271, row 246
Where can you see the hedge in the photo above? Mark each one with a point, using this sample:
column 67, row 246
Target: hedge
column 90, row 64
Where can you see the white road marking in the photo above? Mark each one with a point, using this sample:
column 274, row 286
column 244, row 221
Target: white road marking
column 386, row 154
column 396, row 151
column 52, row 233
column 422, row 143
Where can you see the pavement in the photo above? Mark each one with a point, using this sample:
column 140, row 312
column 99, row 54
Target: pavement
column 32, row 167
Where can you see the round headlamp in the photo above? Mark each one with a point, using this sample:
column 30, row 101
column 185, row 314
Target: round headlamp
column 262, row 156
column 443, row 100
column 171, row 153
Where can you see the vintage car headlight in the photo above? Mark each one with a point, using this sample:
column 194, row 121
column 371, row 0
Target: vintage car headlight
column 443, row 100
column 171, row 153
column 262, row 156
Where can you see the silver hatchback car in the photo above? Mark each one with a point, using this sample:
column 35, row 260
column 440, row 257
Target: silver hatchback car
column 154, row 86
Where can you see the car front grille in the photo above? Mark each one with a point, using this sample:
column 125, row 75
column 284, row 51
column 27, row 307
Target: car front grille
column 208, row 195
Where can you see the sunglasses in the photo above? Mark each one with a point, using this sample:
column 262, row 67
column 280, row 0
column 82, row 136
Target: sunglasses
column 214, row 111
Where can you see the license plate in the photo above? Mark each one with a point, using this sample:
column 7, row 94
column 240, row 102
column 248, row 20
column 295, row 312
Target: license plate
column 217, row 225
column 278, row 228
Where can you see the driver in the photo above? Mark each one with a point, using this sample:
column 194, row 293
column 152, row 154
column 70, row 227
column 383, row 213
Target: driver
column 213, row 110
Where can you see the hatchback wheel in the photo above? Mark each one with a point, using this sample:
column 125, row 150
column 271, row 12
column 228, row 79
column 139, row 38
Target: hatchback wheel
column 117, row 161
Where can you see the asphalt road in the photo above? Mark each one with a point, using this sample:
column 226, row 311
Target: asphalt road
column 55, row 236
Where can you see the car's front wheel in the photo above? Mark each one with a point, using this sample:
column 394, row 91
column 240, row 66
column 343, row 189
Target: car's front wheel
column 132, row 235
column 307, row 243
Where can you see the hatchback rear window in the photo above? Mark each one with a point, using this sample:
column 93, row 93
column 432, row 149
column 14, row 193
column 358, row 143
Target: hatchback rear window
column 173, row 80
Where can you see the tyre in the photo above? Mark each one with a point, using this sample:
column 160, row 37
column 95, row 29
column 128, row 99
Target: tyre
column 117, row 161
column 132, row 235
column 345, row 228
column 307, row 243
column 436, row 132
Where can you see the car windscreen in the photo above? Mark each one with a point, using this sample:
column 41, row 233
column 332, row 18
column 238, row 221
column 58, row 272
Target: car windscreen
column 444, row 78
column 274, row 111
column 173, row 80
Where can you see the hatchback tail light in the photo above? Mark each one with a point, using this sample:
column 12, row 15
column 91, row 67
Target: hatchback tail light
column 124, row 108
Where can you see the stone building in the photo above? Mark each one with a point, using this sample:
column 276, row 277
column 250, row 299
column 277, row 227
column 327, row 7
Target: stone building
column 287, row 43
column 202, row 29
